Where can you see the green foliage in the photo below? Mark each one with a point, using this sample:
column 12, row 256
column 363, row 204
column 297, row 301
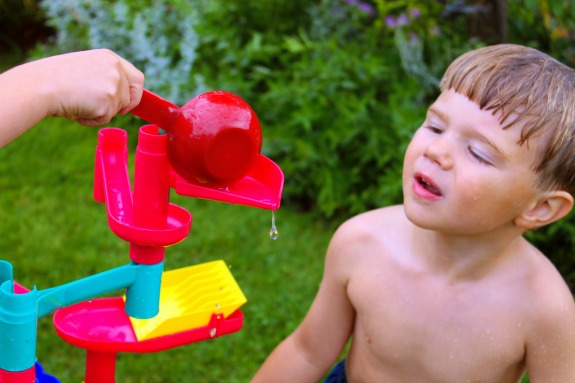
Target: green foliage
column 545, row 24
column 239, row 58
column 333, row 127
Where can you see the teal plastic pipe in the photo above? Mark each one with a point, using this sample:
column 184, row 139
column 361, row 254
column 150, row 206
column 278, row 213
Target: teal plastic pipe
column 19, row 313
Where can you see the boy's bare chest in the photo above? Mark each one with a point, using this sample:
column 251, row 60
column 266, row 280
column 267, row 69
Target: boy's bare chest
column 444, row 332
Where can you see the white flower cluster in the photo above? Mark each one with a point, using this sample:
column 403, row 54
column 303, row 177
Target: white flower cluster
column 160, row 39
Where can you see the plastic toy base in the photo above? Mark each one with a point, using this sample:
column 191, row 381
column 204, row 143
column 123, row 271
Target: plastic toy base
column 103, row 328
column 103, row 325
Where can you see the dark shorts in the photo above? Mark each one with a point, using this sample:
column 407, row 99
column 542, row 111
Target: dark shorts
column 337, row 375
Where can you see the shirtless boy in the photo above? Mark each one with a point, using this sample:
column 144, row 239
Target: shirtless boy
column 444, row 288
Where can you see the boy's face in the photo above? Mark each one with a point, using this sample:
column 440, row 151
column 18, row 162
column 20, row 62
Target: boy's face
column 463, row 173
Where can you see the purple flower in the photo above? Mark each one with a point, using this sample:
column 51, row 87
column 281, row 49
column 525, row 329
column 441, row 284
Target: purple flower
column 402, row 20
column 367, row 8
column 362, row 6
column 396, row 22
column 435, row 31
column 390, row 22
column 414, row 12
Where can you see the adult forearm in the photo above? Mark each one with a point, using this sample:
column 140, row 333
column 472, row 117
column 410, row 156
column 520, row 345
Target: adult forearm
column 24, row 101
column 89, row 87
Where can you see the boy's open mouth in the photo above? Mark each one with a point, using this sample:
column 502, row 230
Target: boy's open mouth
column 428, row 185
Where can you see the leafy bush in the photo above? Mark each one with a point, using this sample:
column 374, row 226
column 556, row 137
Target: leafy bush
column 548, row 25
column 159, row 38
column 333, row 126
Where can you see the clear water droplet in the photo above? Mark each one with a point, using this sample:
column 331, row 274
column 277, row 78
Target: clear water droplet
column 274, row 233
column 218, row 306
column 213, row 332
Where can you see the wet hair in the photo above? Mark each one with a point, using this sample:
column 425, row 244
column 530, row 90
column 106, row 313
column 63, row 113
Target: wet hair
column 524, row 85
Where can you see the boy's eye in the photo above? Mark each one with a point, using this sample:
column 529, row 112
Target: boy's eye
column 434, row 129
column 479, row 157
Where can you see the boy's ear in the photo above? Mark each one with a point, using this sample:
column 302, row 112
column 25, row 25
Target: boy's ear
column 551, row 207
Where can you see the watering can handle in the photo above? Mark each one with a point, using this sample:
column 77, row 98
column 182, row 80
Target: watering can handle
column 156, row 110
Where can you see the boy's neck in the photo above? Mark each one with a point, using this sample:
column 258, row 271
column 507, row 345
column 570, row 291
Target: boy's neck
column 466, row 258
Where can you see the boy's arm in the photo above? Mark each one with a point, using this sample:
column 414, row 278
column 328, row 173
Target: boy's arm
column 90, row 87
column 308, row 353
column 551, row 347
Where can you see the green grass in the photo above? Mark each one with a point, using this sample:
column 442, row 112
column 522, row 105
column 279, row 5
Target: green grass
column 53, row 232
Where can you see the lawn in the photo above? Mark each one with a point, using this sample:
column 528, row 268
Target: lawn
column 53, row 232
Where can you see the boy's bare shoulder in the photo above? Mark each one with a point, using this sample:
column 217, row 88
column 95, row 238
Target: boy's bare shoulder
column 549, row 294
column 549, row 316
column 364, row 243
column 371, row 232
column 375, row 222
column 542, row 279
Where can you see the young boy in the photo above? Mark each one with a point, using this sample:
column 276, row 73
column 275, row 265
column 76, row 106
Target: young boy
column 444, row 289
column 90, row 87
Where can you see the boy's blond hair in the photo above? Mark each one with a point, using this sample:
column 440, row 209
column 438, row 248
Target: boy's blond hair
column 528, row 86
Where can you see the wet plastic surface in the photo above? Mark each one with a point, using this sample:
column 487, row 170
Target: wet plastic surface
column 213, row 139
column 189, row 297
column 103, row 325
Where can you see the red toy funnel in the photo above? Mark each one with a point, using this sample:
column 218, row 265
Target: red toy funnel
column 213, row 140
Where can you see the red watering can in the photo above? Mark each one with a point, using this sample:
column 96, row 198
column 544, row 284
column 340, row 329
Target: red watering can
column 213, row 140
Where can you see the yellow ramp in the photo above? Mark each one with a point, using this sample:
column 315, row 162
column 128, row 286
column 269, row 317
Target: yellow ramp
column 189, row 297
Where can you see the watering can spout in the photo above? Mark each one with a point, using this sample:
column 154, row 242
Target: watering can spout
column 156, row 110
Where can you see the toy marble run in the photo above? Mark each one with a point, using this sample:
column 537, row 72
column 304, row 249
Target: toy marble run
column 209, row 148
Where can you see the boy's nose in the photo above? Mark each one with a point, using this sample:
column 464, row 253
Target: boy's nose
column 439, row 151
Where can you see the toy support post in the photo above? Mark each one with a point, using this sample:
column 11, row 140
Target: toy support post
column 100, row 367
column 18, row 319
column 151, row 191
